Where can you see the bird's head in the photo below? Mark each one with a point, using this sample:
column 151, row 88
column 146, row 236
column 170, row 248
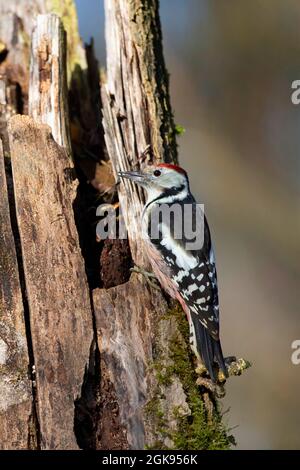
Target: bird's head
column 158, row 180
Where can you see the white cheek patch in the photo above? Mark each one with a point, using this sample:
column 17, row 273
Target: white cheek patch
column 152, row 193
column 183, row 259
column 170, row 199
column 164, row 182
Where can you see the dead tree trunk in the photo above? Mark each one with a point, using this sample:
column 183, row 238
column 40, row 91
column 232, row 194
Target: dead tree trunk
column 56, row 289
column 43, row 284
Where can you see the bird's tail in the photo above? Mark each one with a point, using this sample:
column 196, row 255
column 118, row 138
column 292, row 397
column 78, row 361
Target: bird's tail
column 209, row 349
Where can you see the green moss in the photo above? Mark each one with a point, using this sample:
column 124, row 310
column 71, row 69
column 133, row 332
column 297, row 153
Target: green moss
column 194, row 431
column 154, row 411
column 179, row 130
column 66, row 10
column 164, row 373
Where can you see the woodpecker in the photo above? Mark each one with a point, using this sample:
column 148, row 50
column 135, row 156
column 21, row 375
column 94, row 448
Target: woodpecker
column 188, row 275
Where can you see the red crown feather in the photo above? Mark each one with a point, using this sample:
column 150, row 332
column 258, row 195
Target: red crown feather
column 172, row 167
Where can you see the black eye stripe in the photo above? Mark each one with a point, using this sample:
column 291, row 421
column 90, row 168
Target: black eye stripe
column 157, row 172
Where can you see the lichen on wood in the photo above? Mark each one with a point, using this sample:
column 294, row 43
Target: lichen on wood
column 66, row 11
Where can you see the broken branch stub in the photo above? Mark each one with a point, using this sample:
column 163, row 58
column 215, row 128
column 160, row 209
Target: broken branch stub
column 48, row 98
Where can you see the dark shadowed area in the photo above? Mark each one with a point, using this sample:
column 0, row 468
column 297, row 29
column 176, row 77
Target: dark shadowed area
column 232, row 65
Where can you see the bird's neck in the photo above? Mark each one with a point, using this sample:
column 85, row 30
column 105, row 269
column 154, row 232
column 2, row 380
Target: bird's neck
column 166, row 195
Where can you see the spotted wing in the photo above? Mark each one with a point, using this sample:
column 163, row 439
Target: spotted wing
column 198, row 287
column 193, row 270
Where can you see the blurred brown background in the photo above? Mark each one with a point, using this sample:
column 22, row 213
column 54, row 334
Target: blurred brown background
column 232, row 65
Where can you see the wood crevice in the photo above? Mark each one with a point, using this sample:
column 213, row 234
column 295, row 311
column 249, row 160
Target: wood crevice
column 34, row 437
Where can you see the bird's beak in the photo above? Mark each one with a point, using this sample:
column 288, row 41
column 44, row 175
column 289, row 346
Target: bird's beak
column 135, row 176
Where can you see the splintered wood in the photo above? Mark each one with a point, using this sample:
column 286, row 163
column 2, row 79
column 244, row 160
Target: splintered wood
column 48, row 100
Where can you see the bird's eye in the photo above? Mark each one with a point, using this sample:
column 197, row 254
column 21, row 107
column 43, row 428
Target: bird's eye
column 157, row 172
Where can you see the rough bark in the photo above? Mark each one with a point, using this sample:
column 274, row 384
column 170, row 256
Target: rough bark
column 54, row 297
column 15, row 386
column 57, row 291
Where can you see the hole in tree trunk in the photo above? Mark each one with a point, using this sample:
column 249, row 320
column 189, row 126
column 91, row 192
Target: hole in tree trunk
column 3, row 55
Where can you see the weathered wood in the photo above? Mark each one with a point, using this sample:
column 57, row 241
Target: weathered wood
column 15, row 40
column 137, row 112
column 120, row 319
column 58, row 297
column 48, row 100
column 8, row 107
column 8, row 100
column 15, row 386
column 17, row 20
column 129, row 328
column 59, row 308
column 135, row 59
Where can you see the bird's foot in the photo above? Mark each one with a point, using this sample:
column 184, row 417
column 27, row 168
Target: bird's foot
column 150, row 277
column 210, row 390
column 233, row 365
column 216, row 388
column 236, row 366
column 201, row 369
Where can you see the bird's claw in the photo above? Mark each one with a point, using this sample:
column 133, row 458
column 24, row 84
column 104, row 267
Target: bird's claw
column 150, row 277
column 217, row 389
column 234, row 366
